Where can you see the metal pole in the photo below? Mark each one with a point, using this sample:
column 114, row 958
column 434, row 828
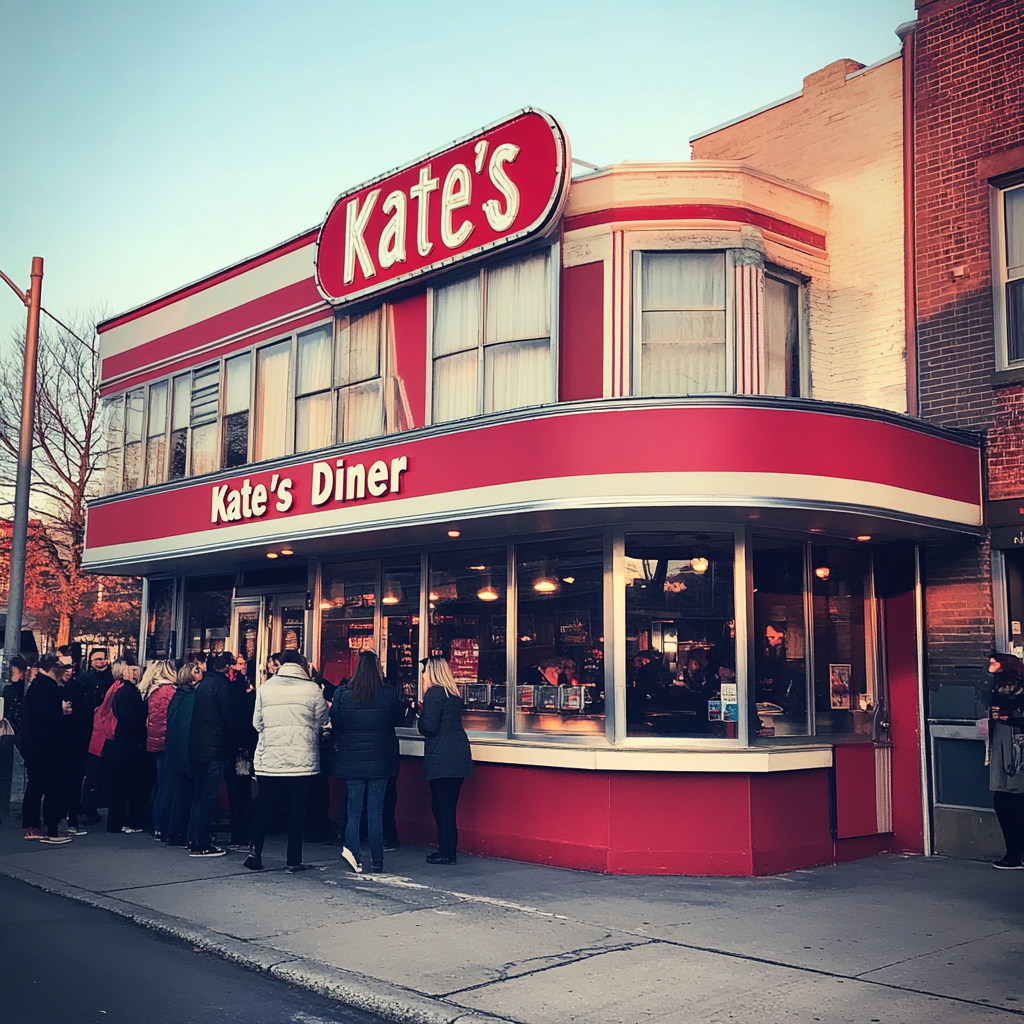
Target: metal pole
column 19, row 534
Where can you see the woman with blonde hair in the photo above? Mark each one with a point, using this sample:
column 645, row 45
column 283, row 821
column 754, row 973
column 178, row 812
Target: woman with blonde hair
column 447, row 759
column 159, row 682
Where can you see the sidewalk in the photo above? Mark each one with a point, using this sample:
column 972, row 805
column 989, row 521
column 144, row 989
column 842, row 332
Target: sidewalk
column 889, row 939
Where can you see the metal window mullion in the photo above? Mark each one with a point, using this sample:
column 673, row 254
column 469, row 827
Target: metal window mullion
column 637, row 319
column 743, row 619
column 511, row 641
column 729, row 270
column 871, row 653
column 554, row 296
column 614, row 654
column 809, row 634
column 377, row 593
column 424, row 638
column 428, row 410
column 481, row 342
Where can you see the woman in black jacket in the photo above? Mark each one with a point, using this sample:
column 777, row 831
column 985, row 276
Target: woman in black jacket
column 129, row 783
column 363, row 719
column 447, row 759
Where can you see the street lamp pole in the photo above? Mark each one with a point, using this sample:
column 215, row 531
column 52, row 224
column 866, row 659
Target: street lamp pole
column 23, row 484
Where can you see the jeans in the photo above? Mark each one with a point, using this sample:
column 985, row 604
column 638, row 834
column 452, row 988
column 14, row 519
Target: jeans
column 293, row 790
column 164, row 795
column 206, row 775
column 444, row 798
column 45, row 787
column 374, row 789
column 182, row 787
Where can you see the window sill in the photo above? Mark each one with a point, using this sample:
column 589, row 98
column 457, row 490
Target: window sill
column 633, row 759
column 1006, row 378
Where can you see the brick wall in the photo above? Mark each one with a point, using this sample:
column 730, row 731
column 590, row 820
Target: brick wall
column 843, row 136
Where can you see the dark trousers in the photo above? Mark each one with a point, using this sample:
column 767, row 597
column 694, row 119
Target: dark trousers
column 182, row 787
column 206, row 776
column 96, row 787
column 444, row 798
column 6, row 774
column 45, row 788
column 129, row 792
column 292, row 790
column 390, row 803
column 74, row 773
column 374, row 790
column 1010, row 812
column 164, row 795
column 318, row 805
column 239, row 789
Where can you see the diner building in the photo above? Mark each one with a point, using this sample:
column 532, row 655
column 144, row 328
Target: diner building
column 630, row 448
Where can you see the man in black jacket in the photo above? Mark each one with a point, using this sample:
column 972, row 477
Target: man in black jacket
column 77, row 732
column 42, row 745
column 213, row 739
column 95, row 681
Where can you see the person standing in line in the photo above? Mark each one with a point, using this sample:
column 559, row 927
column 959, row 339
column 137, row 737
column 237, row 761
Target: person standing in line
column 1006, row 755
column 447, row 758
column 212, row 742
column 42, row 746
column 157, row 690
column 96, row 681
column 363, row 719
column 77, row 732
column 176, row 768
column 126, row 753
column 13, row 694
column 289, row 716
column 239, row 782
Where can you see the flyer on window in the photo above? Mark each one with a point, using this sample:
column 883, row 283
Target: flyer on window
column 839, row 686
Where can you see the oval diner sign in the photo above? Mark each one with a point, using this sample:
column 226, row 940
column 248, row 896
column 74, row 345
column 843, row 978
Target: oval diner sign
column 491, row 189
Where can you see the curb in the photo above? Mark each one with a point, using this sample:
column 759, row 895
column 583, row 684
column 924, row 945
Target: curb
column 390, row 1002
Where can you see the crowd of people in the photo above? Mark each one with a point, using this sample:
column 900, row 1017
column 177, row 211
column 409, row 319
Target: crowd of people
column 154, row 745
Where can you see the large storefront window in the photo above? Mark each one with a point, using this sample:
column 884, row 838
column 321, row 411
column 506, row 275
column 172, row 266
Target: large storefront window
column 560, row 636
column 467, row 602
column 680, row 635
column 160, row 637
column 207, row 613
column 400, row 624
column 347, row 611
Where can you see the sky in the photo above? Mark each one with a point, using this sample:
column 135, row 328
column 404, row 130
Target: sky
column 144, row 145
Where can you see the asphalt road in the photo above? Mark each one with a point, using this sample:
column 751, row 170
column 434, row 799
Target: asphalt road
column 67, row 963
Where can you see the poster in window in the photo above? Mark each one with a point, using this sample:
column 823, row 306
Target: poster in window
column 574, row 627
column 839, row 686
column 293, row 621
column 465, row 660
column 248, row 629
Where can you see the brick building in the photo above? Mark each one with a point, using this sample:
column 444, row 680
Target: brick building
column 964, row 60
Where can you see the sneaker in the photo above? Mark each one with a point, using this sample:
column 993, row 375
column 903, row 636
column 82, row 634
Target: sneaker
column 390, row 849
column 34, row 833
column 440, row 858
column 58, row 840
column 1008, row 864
column 207, row 851
column 294, row 869
column 130, row 831
column 74, row 830
column 350, row 859
column 253, row 863
column 158, row 836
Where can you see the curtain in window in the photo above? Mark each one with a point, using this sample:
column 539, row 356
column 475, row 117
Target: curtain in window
column 272, row 366
column 455, row 386
column 517, row 374
column 683, row 324
column 314, row 370
column 313, row 422
column 359, row 411
column 358, row 347
column 519, row 300
column 236, row 394
column 205, row 457
column 457, row 316
column 156, row 434
column 782, row 338
column 113, row 416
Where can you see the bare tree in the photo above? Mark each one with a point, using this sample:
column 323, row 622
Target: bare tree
column 69, row 451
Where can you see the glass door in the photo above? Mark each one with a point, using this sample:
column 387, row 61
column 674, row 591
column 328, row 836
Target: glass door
column 249, row 640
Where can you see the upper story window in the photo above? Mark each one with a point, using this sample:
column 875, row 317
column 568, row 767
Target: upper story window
column 782, row 362
column 492, row 340
column 682, row 323
column 1009, row 272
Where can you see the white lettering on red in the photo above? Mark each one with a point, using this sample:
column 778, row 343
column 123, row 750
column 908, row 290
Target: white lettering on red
column 219, row 513
column 421, row 193
column 455, row 195
column 355, row 245
column 391, row 247
column 284, row 495
column 506, row 153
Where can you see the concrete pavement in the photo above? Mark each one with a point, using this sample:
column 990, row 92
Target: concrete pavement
column 889, row 939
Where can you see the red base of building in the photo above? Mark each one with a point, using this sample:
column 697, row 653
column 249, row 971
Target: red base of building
column 640, row 823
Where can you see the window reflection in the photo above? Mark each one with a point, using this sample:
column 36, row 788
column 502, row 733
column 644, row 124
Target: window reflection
column 400, row 624
column 560, row 641
column 347, row 606
column 680, row 635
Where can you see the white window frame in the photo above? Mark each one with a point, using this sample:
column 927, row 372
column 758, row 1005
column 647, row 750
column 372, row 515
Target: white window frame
column 554, row 268
column 803, row 334
column 1000, row 275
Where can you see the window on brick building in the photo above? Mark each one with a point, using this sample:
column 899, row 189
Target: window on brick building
column 1010, row 272
column 782, row 301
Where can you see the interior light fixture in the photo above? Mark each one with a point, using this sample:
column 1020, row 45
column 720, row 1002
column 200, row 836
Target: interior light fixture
column 433, row 595
column 568, row 579
column 487, row 593
column 478, row 568
column 699, row 565
column 392, row 592
column 454, row 533
column 287, row 551
column 545, row 585
column 325, row 605
column 864, row 537
column 822, row 572
column 271, row 554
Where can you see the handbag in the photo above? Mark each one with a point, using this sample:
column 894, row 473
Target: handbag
column 243, row 763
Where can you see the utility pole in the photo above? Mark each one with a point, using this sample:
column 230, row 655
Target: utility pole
column 23, row 484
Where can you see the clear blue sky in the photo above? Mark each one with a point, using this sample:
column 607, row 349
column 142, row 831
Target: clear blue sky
column 145, row 144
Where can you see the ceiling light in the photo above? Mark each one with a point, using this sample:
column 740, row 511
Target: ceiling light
column 478, row 568
column 863, row 537
column 392, row 592
column 545, row 585
column 324, row 605
column 271, row 554
column 487, row 593
column 454, row 533
column 822, row 572
column 699, row 565
column 287, row 551
column 568, row 579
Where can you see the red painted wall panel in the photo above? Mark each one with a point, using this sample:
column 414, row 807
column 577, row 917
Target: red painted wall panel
column 581, row 339
column 789, row 824
column 408, row 331
column 856, row 814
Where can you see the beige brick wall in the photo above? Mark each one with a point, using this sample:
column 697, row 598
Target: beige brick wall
column 843, row 136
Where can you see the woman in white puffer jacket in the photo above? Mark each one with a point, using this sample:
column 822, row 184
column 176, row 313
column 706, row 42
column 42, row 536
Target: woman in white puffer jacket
column 290, row 715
